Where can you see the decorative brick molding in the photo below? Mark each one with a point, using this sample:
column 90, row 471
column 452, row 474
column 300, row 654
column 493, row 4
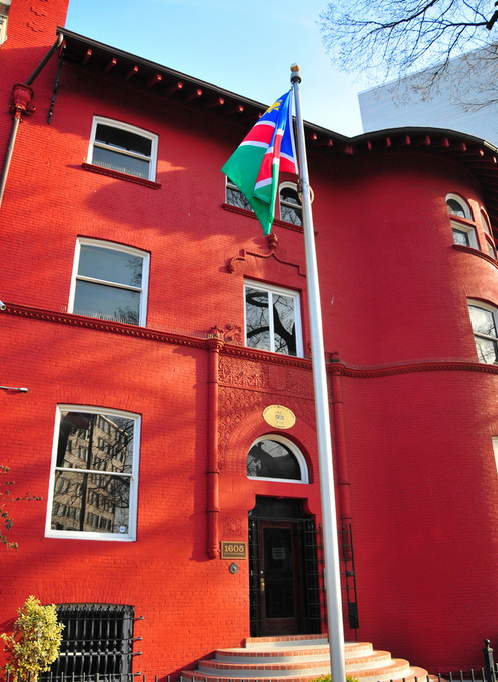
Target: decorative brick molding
column 232, row 528
column 230, row 374
column 105, row 326
column 272, row 241
column 120, row 176
column 476, row 252
column 244, row 373
column 410, row 368
column 230, row 333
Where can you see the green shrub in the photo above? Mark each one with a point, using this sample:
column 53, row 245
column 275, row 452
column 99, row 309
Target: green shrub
column 36, row 639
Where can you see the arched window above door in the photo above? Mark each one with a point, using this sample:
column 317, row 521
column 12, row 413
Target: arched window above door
column 275, row 458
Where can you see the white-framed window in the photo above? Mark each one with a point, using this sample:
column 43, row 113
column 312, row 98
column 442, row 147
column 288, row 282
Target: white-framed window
column 272, row 319
column 483, row 318
column 234, row 196
column 464, row 235
column 458, row 206
column 109, row 282
column 495, row 450
column 490, row 242
column 123, row 147
column 93, row 495
column 290, row 206
column 464, row 231
column 3, row 28
column 274, row 458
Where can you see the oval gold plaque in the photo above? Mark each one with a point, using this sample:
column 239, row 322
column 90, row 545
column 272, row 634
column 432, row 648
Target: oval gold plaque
column 279, row 417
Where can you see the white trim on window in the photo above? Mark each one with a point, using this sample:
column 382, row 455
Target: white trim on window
column 140, row 288
column 295, row 451
column 488, row 234
column 495, row 450
column 464, row 234
column 141, row 164
column 455, row 205
column 288, row 209
column 3, row 28
column 101, row 514
column 485, row 329
column 267, row 339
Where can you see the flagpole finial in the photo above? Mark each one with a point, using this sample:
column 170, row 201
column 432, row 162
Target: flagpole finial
column 295, row 77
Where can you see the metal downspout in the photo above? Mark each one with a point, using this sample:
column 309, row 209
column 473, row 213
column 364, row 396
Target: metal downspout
column 213, row 469
column 19, row 109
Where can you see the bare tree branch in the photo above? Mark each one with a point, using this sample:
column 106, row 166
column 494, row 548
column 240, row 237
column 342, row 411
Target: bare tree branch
column 386, row 38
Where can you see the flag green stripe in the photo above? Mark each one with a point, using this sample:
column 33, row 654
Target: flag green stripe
column 243, row 168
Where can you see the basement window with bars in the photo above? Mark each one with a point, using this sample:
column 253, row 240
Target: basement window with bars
column 97, row 639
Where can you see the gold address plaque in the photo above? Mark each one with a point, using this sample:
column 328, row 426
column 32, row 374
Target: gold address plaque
column 279, row 417
column 234, row 550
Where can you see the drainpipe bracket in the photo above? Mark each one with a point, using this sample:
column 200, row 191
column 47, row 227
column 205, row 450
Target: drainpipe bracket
column 21, row 100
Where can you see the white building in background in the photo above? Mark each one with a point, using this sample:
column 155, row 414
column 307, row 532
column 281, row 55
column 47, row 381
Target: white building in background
column 469, row 79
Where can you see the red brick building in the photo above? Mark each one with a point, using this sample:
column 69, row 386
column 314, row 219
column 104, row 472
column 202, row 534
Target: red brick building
column 152, row 324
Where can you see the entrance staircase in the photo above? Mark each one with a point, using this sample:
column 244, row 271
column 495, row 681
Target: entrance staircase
column 299, row 658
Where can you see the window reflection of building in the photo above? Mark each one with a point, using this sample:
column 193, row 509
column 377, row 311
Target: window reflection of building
column 84, row 500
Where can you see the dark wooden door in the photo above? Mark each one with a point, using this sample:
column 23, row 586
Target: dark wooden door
column 281, row 578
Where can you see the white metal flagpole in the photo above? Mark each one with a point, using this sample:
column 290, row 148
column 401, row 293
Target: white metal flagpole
column 331, row 547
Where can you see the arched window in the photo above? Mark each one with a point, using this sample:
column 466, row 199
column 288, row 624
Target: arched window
column 276, row 458
column 290, row 205
column 463, row 233
column 458, row 206
column 490, row 242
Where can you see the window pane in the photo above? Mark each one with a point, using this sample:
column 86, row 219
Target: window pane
column 461, row 238
column 290, row 196
column 491, row 250
column 110, row 265
column 485, row 224
column 236, row 198
column 91, row 502
column 106, row 302
column 290, row 206
column 95, row 441
column 123, row 139
column 271, row 459
column 120, row 162
column 455, row 208
column 257, row 319
column 486, row 350
column 482, row 321
column 284, row 324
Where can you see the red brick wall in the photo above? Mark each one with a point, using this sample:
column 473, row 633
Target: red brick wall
column 422, row 472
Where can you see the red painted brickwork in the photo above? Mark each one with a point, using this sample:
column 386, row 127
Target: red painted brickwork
column 423, row 480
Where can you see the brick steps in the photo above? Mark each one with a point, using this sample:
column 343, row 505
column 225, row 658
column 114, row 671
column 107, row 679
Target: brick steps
column 299, row 658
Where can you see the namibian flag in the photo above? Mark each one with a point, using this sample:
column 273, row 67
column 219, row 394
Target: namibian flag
column 255, row 164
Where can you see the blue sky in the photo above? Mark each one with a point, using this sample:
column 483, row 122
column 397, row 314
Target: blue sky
column 243, row 47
